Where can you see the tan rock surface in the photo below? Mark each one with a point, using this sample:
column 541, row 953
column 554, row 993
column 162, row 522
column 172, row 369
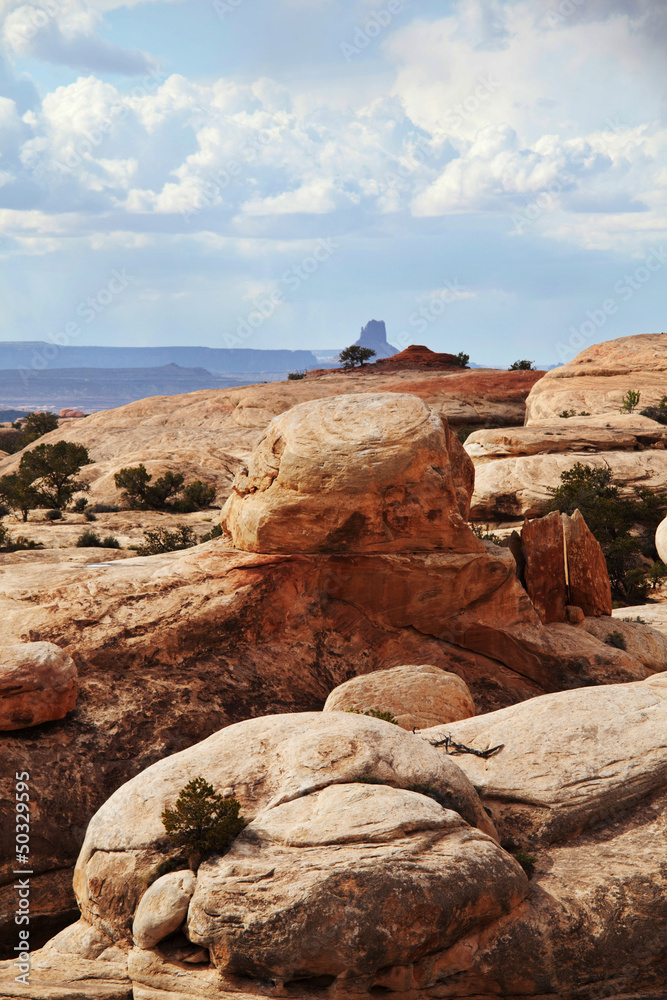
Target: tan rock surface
column 38, row 683
column 264, row 763
column 570, row 759
column 519, row 487
column 599, row 376
column 643, row 642
column 661, row 540
column 611, row 432
column 163, row 908
column 365, row 472
column 208, row 434
column 417, row 696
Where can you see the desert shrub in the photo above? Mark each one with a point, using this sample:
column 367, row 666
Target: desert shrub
column 17, row 493
column 296, row 375
column 656, row 574
column 641, row 621
column 202, row 822
column 89, row 540
column 89, row 516
column 485, row 535
column 36, row 425
column 51, row 471
column 4, row 510
column 53, row 515
column 110, row 542
column 522, row 366
column 104, row 508
column 630, row 401
column 11, row 441
column 526, row 860
column 139, row 492
column 355, row 355
column 462, row 359
column 619, row 523
column 573, row 413
column 374, row 713
column 615, row 639
column 18, row 544
column 164, row 540
column 80, row 505
column 215, row 532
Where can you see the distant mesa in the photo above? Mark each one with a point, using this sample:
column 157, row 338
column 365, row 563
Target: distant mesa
column 374, row 335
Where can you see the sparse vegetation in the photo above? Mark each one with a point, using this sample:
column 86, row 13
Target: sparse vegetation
column 355, row 355
column 50, row 471
column 485, row 535
column 620, row 524
column 658, row 413
column 564, row 414
column 615, row 639
column 462, row 359
column 215, row 532
column 164, row 540
column 202, row 822
column 104, row 508
column 91, row 540
column 630, row 401
column 80, row 505
column 522, row 366
column 18, row 494
column 168, row 492
column 638, row 619
column 526, row 860
column 53, row 515
column 374, row 713
column 293, row 376
column 21, row 543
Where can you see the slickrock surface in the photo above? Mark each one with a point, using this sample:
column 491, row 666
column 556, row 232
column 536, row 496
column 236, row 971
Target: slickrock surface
column 516, row 467
column 38, row 683
column 208, row 434
column 597, row 379
column 359, row 473
column 417, row 696
column 370, row 862
column 172, row 648
column 661, row 540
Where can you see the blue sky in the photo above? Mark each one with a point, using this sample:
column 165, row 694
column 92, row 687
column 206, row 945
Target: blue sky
column 484, row 175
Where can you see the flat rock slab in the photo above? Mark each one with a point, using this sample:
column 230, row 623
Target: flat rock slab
column 417, row 696
column 569, row 759
column 38, row 683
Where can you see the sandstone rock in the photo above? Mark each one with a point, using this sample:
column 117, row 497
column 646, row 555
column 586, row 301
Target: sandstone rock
column 611, row 432
column 545, row 571
column 588, row 579
column 570, row 759
column 599, row 376
column 263, row 762
column 417, row 696
column 644, row 643
column 661, row 540
column 38, row 683
column 519, row 487
column 209, row 434
column 353, row 908
column 353, row 473
column 163, row 908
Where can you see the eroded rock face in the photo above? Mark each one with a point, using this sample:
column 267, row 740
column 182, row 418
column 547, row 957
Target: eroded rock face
column 358, row 473
column 661, row 539
column 417, row 696
column 38, row 683
column 597, row 379
column 163, row 908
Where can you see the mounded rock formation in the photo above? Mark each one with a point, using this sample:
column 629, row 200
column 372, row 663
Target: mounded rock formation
column 370, row 862
column 417, row 696
column 172, row 648
column 661, row 540
column 598, row 378
column 516, row 467
column 38, row 683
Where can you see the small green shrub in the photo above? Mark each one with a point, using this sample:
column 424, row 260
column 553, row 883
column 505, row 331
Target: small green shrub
column 163, row 540
column 641, row 621
column 89, row 540
column 615, row 639
column 526, row 860
column 485, row 535
column 374, row 713
column 462, row 359
column 18, row 544
column 522, row 366
column 89, row 516
column 564, row 414
column 202, row 821
column 215, row 532
column 293, row 376
column 104, row 508
column 630, row 401
column 110, row 542
column 53, row 515
column 80, row 505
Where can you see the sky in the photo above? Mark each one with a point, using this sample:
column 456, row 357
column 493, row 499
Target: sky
column 486, row 176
